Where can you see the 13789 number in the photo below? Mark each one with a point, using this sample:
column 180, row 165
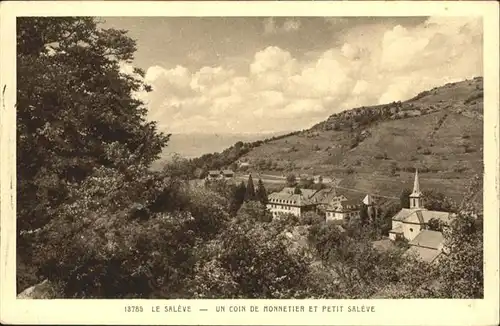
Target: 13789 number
column 133, row 308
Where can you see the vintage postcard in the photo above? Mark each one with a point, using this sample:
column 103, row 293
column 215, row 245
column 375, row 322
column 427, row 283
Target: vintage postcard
column 249, row 163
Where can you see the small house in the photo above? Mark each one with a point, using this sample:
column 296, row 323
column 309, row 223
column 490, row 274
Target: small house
column 342, row 210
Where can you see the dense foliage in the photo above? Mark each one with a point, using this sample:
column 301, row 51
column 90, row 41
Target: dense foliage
column 75, row 111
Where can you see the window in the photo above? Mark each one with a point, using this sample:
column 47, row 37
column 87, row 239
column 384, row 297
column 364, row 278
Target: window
column 411, row 230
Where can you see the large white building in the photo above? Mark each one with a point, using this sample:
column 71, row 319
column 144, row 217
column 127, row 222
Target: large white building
column 325, row 202
column 288, row 202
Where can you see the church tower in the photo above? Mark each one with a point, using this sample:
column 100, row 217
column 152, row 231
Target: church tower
column 416, row 195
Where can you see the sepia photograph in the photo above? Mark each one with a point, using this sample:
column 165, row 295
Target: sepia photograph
column 250, row 157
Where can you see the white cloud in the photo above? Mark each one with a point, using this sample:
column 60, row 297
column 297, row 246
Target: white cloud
column 281, row 92
column 271, row 59
column 401, row 48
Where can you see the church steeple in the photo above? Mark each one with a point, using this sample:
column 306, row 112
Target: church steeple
column 416, row 195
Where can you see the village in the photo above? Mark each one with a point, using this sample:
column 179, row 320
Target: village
column 413, row 225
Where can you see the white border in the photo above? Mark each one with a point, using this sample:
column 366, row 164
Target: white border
column 388, row 312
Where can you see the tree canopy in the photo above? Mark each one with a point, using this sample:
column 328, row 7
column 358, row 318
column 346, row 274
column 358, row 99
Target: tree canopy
column 250, row 191
column 75, row 110
column 82, row 136
column 261, row 193
column 404, row 198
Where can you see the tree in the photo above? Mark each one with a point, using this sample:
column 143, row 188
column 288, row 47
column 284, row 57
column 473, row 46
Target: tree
column 319, row 186
column 200, row 173
column 250, row 191
column 77, row 118
column 251, row 260
column 312, row 218
column 382, row 221
column 75, row 110
column 461, row 273
column 237, row 198
column 363, row 214
column 179, row 167
column 107, row 241
column 254, row 210
column 307, row 183
column 351, row 258
column 361, row 271
column 437, row 201
column 297, row 191
column 435, row 224
column 404, row 198
column 291, row 180
column 393, row 168
column 261, row 193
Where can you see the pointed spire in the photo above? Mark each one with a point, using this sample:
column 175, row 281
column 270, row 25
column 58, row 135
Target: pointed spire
column 416, row 186
column 368, row 200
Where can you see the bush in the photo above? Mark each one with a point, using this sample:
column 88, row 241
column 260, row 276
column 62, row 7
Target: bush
column 291, row 180
column 311, row 218
column 254, row 211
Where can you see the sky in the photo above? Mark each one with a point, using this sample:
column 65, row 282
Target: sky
column 276, row 74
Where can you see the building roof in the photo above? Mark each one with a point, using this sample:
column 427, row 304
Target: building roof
column 214, row 172
column 305, row 192
column 227, row 171
column 325, row 196
column 288, row 199
column 428, row 239
column 402, row 214
column 425, row 254
column 344, row 206
column 421, row 216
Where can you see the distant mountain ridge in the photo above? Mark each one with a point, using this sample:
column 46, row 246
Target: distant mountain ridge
column 196, row 144
column 377, row 148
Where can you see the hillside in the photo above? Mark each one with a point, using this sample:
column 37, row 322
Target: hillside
column 196, row 144
column 375, row 149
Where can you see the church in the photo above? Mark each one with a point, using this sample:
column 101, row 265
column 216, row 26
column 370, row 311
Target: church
column 412, row 224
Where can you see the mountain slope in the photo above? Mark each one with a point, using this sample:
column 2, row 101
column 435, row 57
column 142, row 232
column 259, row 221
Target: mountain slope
column 196, row 144
column 376, row 149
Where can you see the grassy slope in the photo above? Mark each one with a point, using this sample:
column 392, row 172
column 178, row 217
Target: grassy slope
column 433, row 141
